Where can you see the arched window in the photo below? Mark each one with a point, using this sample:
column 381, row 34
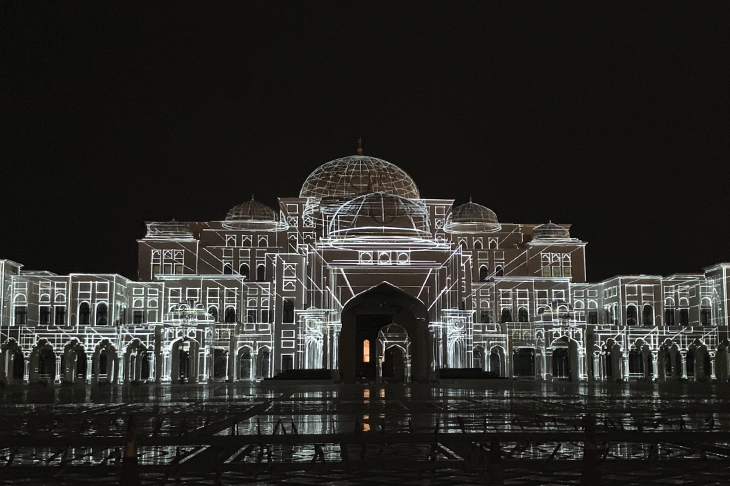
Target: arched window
column 227, row 269
column 506, row 315
column 101, row 314
column 647, row 316
column 213, row 311
column 287, row 311
column 261, row 273
column 84, row 313
column 244, row 271
column 684, row 317
column 499, row 271
column 669, row 316
column 230, row 315
column 706, row 312
column 483, row 273
column 632, row 315
column 478, row 245
column 522, row 315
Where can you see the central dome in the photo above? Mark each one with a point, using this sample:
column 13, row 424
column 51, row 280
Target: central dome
column 358, row 174
column 381, row 214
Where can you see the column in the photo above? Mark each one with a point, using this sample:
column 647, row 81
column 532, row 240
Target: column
column 655, row 364
column 713, row 377
column 26, row 372
column 89, row 367
column 683, row 358
column 58, row 370
column 548, row 365
column 254, row 356
column 625, row 366
column 151, row 358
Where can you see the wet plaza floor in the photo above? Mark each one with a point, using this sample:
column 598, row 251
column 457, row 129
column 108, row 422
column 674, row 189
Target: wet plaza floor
column 249, row 433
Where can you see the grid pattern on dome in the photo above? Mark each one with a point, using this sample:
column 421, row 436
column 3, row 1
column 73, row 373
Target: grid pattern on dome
column 358, row 174
column 251, row 211
column 473, row 213
column 381, row 214
column 550, row 230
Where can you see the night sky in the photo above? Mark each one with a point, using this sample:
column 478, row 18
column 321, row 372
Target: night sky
column 612, row 117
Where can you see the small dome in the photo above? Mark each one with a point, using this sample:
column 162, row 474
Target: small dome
column 471, row 218
column 251, row 211
column 356, row 175
column 549, row 231
column 381, row 214
column 255, row 216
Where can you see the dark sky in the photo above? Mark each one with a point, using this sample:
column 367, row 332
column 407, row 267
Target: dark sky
column 613, row 117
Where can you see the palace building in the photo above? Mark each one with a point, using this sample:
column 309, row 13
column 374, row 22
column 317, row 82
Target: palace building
column 360, row 274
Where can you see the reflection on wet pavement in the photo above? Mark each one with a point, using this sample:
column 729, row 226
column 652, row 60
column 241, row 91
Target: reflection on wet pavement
column 237, row 433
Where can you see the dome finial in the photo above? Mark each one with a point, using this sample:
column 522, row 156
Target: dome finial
column 470, row 198
column 359, row 145
column 252, row 196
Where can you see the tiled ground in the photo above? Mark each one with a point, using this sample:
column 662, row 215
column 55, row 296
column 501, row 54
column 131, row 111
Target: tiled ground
column 419, row 434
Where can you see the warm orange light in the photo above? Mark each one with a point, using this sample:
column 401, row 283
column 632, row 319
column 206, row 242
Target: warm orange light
column 366, row 351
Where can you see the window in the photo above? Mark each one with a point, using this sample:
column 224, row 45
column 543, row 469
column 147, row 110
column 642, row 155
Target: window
column 138, row 317
column 288, row 311
column 101, row 314
column 631, row 315
column 213, row 311
column 669, row 316
column 706, row 316
column 21, row 314
column 261, row 273
column 522, row 315
column 499, row 271
column 483, row 273
column 84, row 313
column 647, row 316
column 506, row 316
column 485, row 317
column 227, row 269
column 366, row 351
column 265, row 315
column 593, row 317
column 230, row 315
column 251, row 316
column 60, row 316
column 244, row 271
column 684, row 317
column 44, row 317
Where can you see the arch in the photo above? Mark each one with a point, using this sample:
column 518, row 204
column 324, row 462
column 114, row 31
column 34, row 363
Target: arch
column 263, row 362
column 227, row 269
column 104, row 362
column 632, row 315
column 483, row 273
column 261, row 273
column 84, row 313
column 499, row 271
column 74, row 367
column 244, row 271
column 522, row 315
column 230, row 316
column 647, row 315
column 367, row 313
column 245, row 363
column 213, row 313
column 706, row 312
column 136, row 362
column 12, row 362
column 102, row 314
column 477, row 244
column 506, row 315
column 184, row 365
column 497, row 361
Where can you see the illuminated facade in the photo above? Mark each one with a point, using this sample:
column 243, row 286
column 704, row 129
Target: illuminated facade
column 361, row 275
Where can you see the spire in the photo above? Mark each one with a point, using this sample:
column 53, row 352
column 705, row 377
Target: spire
column 359, row 145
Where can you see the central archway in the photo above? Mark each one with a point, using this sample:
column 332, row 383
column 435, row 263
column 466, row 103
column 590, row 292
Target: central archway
column 365, row 315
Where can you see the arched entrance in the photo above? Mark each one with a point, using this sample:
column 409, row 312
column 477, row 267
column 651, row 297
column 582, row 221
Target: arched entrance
column 184, row 366
column 244, row 363
column 362, row 319
column 393, row 356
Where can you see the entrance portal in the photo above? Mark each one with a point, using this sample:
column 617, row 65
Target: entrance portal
column 365, row 315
